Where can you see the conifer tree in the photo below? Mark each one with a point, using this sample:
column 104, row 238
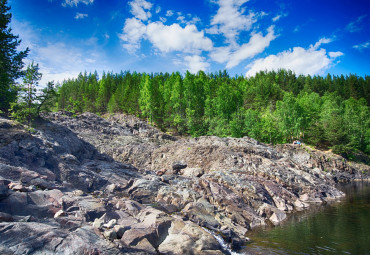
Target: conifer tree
column 146, row 97
column 11, row 61
column 25, row 108
column 46, row 99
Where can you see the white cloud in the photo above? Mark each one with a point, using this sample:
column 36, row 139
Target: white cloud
column 139, row 9
column 169, row 13
column 301, row 61
column 362, row 46
column 59, row 61
column 164, row 38
column 257, row 44
column 276, row 18
column 158, row 9
column 72, row 3
column 221, row 54
column 183, row 36
column 175, row 38
column 196, row 63
column 25, row 33
column 194, row 20
column 355, row 26
column 335, row 54
column 230, row 19
column 81, row 15
column 279, row 16
column 181, row 19
column 133, row 31
column 322, row 41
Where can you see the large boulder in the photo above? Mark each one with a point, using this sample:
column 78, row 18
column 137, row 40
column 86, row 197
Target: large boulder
column 39, row 203
column 188, row 238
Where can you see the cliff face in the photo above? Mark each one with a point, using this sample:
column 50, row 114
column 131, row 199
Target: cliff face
column 88, row 185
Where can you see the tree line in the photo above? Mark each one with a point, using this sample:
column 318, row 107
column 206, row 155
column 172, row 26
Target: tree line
column 272, row 107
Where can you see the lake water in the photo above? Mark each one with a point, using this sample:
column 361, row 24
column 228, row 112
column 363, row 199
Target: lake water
column 336, row 228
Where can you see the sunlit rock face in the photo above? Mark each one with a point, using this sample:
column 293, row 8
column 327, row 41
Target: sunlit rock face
column 88, row 185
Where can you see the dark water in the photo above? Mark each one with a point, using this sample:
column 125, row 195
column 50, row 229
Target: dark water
column 336, row 228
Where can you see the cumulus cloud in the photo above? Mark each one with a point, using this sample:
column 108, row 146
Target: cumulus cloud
column 196, row 63
column 176, row 38
column 133, row 31
column 257, row 44
column 140, row 9
column 164, row 38
column 355, row 26
column 301, row 61
column 230, row 19
column 362, row 46
column 81, row 15
column 184, row 37
column 75, row 3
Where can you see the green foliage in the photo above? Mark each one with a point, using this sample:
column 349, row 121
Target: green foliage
column 331, row 119
column 237, row 124
column 269, row 130
column 47, row 98
column 31, row 102
column 11, row 61
column 146, row 100
column 272, row 107
column 26, row 108
column 356, row 119
column 290, row 118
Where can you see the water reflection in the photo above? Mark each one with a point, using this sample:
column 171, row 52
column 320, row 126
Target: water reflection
column 336, row 228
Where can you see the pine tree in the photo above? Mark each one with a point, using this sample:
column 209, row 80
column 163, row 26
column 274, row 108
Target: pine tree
column 26, row 107
column 11, row 61
column 146, row 97
column 46, row 99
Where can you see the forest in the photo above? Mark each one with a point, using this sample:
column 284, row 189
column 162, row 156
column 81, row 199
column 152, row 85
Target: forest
column 272, row 107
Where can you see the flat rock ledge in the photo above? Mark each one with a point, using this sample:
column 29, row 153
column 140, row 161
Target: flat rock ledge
column 115, row 185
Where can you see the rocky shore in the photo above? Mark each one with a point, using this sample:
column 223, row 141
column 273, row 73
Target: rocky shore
column 90, row 185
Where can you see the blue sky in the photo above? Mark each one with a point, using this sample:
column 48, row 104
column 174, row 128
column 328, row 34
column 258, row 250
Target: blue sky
column 314, row 37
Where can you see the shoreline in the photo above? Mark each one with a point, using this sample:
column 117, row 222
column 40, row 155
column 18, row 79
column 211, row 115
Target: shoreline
column 279, row 240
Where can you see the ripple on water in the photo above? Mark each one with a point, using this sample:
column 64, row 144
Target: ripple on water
column 336, row 228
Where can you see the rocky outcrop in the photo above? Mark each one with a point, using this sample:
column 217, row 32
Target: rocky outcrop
column 87, row 185
column 124, row 138
column 335, row 166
